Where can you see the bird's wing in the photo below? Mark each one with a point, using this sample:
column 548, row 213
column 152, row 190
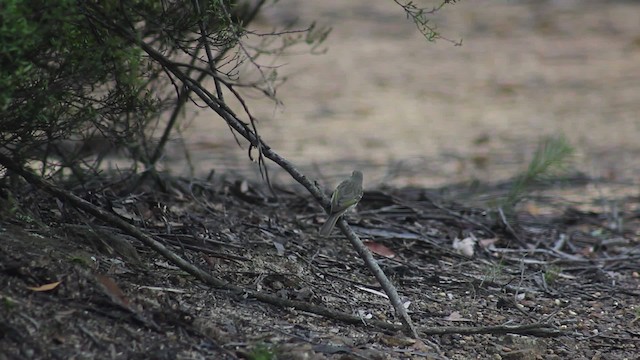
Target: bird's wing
column 344, row 197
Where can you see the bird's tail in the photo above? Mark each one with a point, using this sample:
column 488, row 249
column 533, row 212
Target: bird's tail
column 325, row 230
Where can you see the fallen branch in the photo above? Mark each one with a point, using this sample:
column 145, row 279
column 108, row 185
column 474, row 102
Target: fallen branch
column 536, row 329
column 540, row 329
column 100, row 214
column 218, row 106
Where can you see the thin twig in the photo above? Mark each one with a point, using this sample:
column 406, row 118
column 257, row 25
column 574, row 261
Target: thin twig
column 509, row 228
column 196, row 271
column 387, row 286
column 538, row 329
column 265, row 150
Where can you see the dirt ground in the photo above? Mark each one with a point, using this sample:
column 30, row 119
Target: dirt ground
column 410, row 112
column 557, row 278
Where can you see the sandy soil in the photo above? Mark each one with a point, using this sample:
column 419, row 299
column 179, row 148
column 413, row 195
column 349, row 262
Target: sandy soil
column 412, row 112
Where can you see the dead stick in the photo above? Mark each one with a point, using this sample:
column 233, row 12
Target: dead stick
column 387, row 286
column 537, row 329
column 221, row 108
column 101, row 214
column 229, row 117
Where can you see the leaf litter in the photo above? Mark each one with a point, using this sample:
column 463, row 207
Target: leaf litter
column 561, row 280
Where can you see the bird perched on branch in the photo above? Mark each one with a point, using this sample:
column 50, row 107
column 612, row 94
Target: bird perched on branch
column 344, row 198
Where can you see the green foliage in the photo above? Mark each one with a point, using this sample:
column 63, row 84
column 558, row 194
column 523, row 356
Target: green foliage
column 551, row 274
column 493, row 271
column 74, row 71
column 421, row 18
column 8, row 304
column 18, row 39
column 60, row 76
column 262, row 352
column 550, row 159
column 81, row 259
column 12, row 208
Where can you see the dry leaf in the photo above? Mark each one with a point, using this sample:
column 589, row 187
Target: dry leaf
column 455, row 316
column 125, row 214
column 397, row 341
column 533, row 209
column 379, row 249
column 45, row 287
column 486, row 243
column 244, row 187
column 372, row 291
column 464, row 246
column 279, row 248
column 113, row 290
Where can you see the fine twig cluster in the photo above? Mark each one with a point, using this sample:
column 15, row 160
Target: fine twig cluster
column 192, row 29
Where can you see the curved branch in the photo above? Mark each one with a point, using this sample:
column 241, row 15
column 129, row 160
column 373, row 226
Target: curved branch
column 255, row 141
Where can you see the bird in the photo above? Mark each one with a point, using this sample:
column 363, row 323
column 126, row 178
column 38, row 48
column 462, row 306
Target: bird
column 344, row 198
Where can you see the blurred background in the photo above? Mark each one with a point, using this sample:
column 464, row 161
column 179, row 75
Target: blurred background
column 409, row 112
